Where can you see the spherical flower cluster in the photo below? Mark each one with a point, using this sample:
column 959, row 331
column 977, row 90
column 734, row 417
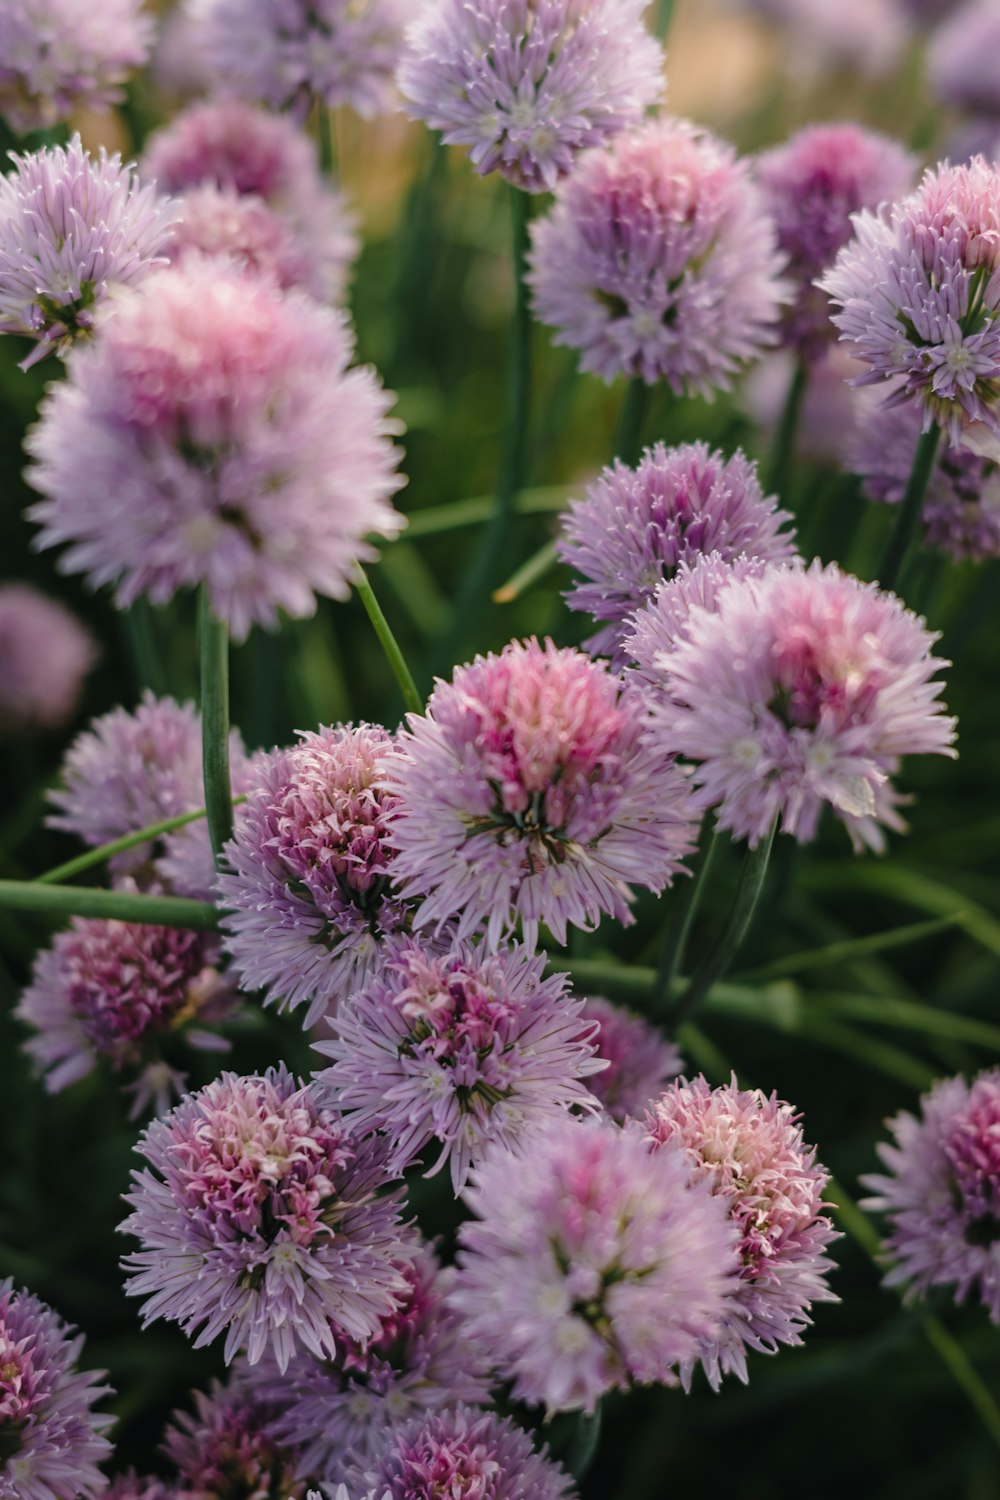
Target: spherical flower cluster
column 243, row 230
column 45, row 654
column 212, row 434
column 868, row 35
column 530, row 790
column 288, row 54
column 812, row 185
column 918, row 297
column 802, row 688
column 749, row 1149
column 635, row 526
column 665, row 620
column 464, row 1049
column 132, row 1486
column 528, row 84
column 306, row 893
column 595, row 1263
column 658, row 260
column 57, row 56
column 960, row 57
column 51, row 1440
column 639, row 1058
column 71, row 229
column 941, row 1192
column 225, row 1448
column 258, row 1216
column 826, row 411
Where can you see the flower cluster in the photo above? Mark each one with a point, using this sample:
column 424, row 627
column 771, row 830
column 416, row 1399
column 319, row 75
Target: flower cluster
column 57, row 56
column 45, row 654
column 224, row 1448
column 959, row 54
column 639, row 1060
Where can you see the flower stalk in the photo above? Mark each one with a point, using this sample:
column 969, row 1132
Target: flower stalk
column 214, row 647
column 909, row 512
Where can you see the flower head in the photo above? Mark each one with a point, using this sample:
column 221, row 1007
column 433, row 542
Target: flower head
column 658, row 260
column 133, row 1486
column 212, row 434
column 665, row 619
column 636, row 526
column 941, row 1192
column 244, row 231
column 639, row 1058
column 51, row 1440
column 258, row 1216
column 865, row 35
column 528, row 84
column 529, row 790
column 748, row 1148
column 463, row 1049
column 960, row 57
column 45, row 654
column 225, row 1448
column 58, row 56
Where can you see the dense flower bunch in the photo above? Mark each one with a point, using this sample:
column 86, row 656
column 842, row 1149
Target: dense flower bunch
column 224, row 1448
column 666, row 619
column 959, row 54
column 243, row 230
column 45, row 654
column 639, row 1059
column 853, row 34
column 57, row 56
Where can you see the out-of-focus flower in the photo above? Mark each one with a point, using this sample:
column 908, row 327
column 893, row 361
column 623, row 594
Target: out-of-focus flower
column 463, row 1049
column 827, row 411
column 52, row 1438
column 658, row 260
column 57, row 56
column 132, row 1486
column 639, row 1058
column 212, row 434
column 664, row 621
column 818, row 35
column 961, row 59
column 259, row 1216
column 635, row 526
column 72, row 228
column 595, row 1263
column 225, row 1448
column 528, row 84
column 941, row 1193
column 244, row 231
column 45, row 654
column 748, row 1147
column 530, row 790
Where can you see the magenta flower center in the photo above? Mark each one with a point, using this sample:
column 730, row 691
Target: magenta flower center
column 454, row 1012
column 444, row 1470
column 330, row 840
column 973, row 1149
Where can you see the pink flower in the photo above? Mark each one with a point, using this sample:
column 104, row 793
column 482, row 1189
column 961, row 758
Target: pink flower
column 45, row 654
column 639, row 1058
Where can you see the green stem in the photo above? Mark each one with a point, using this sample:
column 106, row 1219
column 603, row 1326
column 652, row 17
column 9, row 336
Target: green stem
column 688, row 901
column 437, row 519
column 909, row 511
column 147, row 662
column 324, row 132
column 664, row 16
column 847, row 949
column 388, row 642
column 97, row 856
column 119, row 906
column 627, row 439
column 583, row 1445
column 528, row 573
column 784, row 437
column 214, row 643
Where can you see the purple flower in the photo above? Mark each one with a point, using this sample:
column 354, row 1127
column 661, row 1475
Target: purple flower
column 58, row 56
column 826, row 415
column 961, row 56
column 306, row 893
column 258, row 1216
column 212, row 434
column 918, row 293
column 662, row 623
column 530, row 790
column 45, row 654
column 51, row 1440
column 748, row 1148
column 865, row 35
column 465, row 1049
column 812, row 185
column 801, row 688
column 242, row 230
column 71, row 229
column 528, row 84
column 639, row 1058
column 658, row 260
column 941, row 1193
column 635, row 526
column 595, row 1263
column 132, row 1486
column 225, row 1448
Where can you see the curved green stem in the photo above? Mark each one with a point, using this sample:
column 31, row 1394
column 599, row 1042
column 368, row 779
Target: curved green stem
column 909, row 511
column 214, row 647
column 627, row 439
column 104, row 852
column 120, row 906
column 784, row 437
column 528, row 573
column 140, row 634
column 688, row 901
column 388, row 642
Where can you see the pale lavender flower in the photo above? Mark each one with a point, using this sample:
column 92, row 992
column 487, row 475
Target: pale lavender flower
column 941, row 1192
column 865, row 35
column 664, row 620
column 639, row 1058
column 961, row 59
column 45, row 654
column 530, row 790
column 72, row 228
column 801, row 688
column 812, row 185
column 259, row 1216
column 658, row 260
column 463, row 1049
column 242, row 230
column 827, row 412
column 51, row 1440
column 212, row 434
column 133, row 1486
column 634, row 527
column 917, row 294
column 224, row 1448
column 528, row 84
column 306, row 888
column 748, row 1148
column 58, row 56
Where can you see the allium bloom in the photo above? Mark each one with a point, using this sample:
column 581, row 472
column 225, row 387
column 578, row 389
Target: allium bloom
column 244, row 231
column 748, row 1148
column 802, row 687
column 826, row 415
column 50, row 1438
column 212, row 434
column 854, row 34
column 258, row 1216
column 530, row 790
column 639, row 1058
column 635, row 526
column 665, row 620
column 45, row 654
column 290, row 53
column 463, row 1049
column 918, row 297
column 595, row 1263
column 961, row 59
column 658, row 260
column 306, row 893
column 942, row 1192
column 463, row 1452
column 224, row 1448
column 132, row 1486
column 812, row 185
column 57, row 56
column 528, row 84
